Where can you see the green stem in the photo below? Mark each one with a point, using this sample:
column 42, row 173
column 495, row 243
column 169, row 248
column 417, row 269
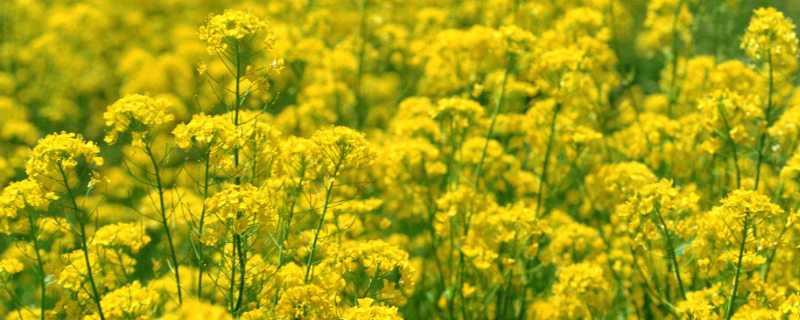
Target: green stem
column 84, row 246
column 233, row 278
column 164, row 221
column 369, row 286
column 242, row 263
column 772, row 256
column 201, row 227
column 321, row 221
column 763, row 136
column 497, row 108
column 40, row 264
column 550, row 139
column 732, row 299
column 360, row 107
column 673, row 95
column 479, row 170
column 284, row 232
column 238, row 181
column 671, row 253
column 733, row 146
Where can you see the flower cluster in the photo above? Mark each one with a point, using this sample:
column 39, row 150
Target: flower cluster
column 367, row 311
column 232, row 24
column 214, row 135
column 342, row 148
column 57, row 154
column 604, row 159
column 305, row 302
column 514, row 39
column 581, row 290
column 456, row 114
column 122, row 234
column 10, row 266
column 19, row 197
column 748, row 204
column 666, row 20
column 129, row 302
column 237, row 208
column 377, row 258
column 137, row 114
column 769, row 36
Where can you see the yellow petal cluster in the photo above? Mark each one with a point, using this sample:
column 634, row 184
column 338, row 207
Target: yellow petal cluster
column 770, row 35
column 137, row 114
column 232, row 24
column 58, row 154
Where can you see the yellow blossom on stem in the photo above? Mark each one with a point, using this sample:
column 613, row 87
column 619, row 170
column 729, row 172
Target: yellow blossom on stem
column 377, row 258
column 307, row 302
column 129, row 235
column 342, row 148
column 60, row 151
column 232, row 24
column 242, row 206
column 10, row 266
column 137, row 114
column 366, row 311
column 769, row 35
column 20, row 196
column 129, row 302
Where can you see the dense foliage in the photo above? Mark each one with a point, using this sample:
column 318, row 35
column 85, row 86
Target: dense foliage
column 384, row 159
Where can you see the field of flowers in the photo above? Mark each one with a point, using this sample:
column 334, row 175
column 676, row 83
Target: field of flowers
column 388, row 159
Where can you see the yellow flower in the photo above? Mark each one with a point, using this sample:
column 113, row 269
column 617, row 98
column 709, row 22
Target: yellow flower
column 306, row 302
column 378, row 258
column 662, row 17
column 513, row 39
column 214, row 135
column 457, row 114
column 231, row 24
column 731, row 113
column 192, row 309
column 138, row 114
column 10, row 266
column 749, row 204
column 769, row 35
column 129, row 235
column 21, row 195
column 129, row 302
column 698, row 305
column 751, row 260
column 582, row 287
column 202, row 68
column 240, row 207
column 342, row 148
column 366, row 311
column 71, row 277
column 57, row 152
